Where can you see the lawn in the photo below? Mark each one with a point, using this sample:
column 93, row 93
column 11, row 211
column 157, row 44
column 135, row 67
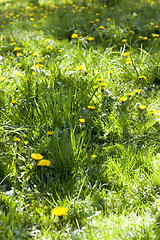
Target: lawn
column 79, row 119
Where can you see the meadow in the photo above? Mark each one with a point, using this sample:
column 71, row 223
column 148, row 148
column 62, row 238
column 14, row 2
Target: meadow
column 79, row 119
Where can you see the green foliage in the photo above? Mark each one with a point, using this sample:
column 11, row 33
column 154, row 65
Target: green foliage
column 80, row 85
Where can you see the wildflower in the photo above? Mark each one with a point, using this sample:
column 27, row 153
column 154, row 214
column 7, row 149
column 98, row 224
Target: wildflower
column 142, row 107
column 81, row 67
column 59, row 211
column 49, row 47
column 91, row 107
column 19, row 74
column 16, row 49
column 60, row 51
column 32, row 19
column 35, row 54
column 50, row 133
column 145, row 38
column 82, row 120
column 18, row 139
column 47, row 40
column 154, row 112
column 97, row 20
column 110, row 71
column 103, row 84
column 137, row 90
column 155, row 35
column 128, row 61
column 25, row 143
column 90, row 38
column 100, row 79
column 123, row 99
column 75, row 35
column 124, row 40
column 142, row 77
column 39, row 60
column 44, row 162
column 36, row 156
column 14, row 101
column 95, row 87
column 125, row 54
column 91, row 22
column 101, row 27
column 130, row 94
column 19, row 54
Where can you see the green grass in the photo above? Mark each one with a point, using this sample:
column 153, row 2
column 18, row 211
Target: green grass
column 104, row 170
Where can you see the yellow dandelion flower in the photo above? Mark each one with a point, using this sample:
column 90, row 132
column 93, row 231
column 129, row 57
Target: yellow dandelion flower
column 14, row 101
column 110, row 71
column 137, row 90
column 47, row 40
column 49, row 47
column 90, row 38
column 44, row 162
column 16, row 49
column 95, row 87
column 142, row 107
column 103, row 84
column 75, row 35
column 142, row 77
column 35, row 54
column 97, row 20
column 91, row 22
column 101, row 27
column 154, row 112
column 123, row 99
column 18, row 74
column 130, row 94
column 91, row 107
column 36, row 156
column 145, row 38
column 25, row 143
column 39, row 60
column 155, row 35
column 100, row 79
column 125, row 54
column 128, row 62
column 59, row 211
column 50, row 133
column 124, row 40
column 81, row 67
column 82, row 120
column 18, row 139
column 32, row 19
column 19, row 54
